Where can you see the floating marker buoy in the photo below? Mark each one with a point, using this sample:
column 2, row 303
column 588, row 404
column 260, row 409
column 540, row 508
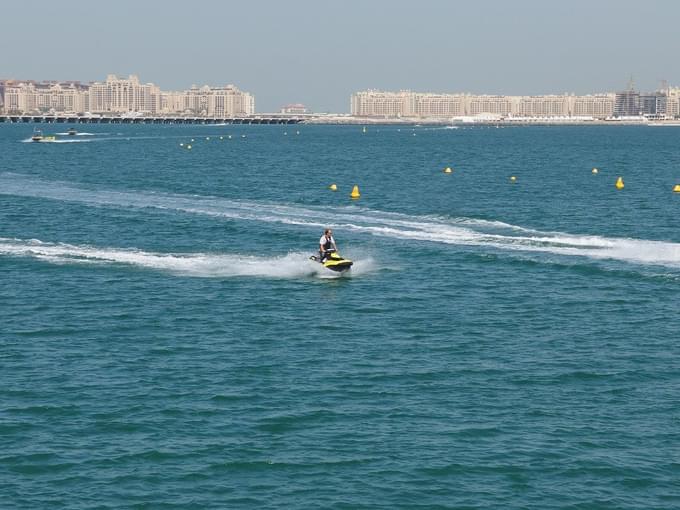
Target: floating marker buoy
column 595, row 170
column 297, row 132
column 355, row 192
column 207, row 138
column 619, row 183
column 243, row 136
column 189, row 147
column 513, row 179
column 229, row 137
column 363, row 130
column 333, row 187
column 676, row 188
column 192, row 139
column 221, row 138
column 448, row 170
column 414, row 134
column 181, row 145
column 285, row 133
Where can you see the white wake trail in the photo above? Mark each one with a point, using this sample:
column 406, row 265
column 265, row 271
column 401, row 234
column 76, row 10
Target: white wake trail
column 452, row 231
column 206, row 265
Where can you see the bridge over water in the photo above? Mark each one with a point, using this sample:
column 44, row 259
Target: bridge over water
column 117, row 119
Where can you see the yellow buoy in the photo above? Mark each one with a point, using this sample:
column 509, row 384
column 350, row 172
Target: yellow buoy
column 513, row 179
column 333, row 187
column 619, row 183
column 676, row 188
column 448, row 170
column 595, row 170
column 355, row 192
column 189, row 147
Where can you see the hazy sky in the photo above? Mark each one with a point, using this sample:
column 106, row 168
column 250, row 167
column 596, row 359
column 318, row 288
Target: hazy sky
column 318, row 52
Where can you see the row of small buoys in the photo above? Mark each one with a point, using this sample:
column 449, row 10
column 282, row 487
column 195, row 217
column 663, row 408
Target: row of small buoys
column 207, row 138
column 619, row 181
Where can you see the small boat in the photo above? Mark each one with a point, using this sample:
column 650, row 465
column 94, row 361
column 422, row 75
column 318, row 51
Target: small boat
column 334, row 261
column 72, row 131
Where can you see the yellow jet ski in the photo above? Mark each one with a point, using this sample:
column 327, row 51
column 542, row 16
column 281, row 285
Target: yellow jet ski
column 334, row 261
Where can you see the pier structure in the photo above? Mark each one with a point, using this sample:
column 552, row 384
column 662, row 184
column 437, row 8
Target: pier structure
column 153, row 119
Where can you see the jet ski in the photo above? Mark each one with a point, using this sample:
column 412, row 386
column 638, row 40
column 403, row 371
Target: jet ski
column 334, row 261
column 39, row 137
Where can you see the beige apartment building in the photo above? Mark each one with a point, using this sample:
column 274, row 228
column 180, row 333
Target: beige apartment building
column 384, row 104
column 123, row 96
column 47, row 97
column 118, row 95
column 673, row 102
column 375, row 103
column 216, row 102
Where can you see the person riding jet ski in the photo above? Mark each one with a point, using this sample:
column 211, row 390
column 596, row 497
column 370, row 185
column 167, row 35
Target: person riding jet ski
column 326, row 244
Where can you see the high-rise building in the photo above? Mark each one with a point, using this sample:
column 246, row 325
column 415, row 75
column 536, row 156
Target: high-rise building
column 627, row 103
column 117, row 95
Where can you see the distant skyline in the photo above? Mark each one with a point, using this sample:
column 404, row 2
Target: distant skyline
column 319, row 53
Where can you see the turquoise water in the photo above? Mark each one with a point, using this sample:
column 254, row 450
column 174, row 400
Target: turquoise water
column 166, row 343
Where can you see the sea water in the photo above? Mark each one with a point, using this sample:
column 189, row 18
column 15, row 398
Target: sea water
column 165, row 341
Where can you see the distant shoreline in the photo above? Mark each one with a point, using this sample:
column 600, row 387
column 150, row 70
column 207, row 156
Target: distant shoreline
column 490, row 121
